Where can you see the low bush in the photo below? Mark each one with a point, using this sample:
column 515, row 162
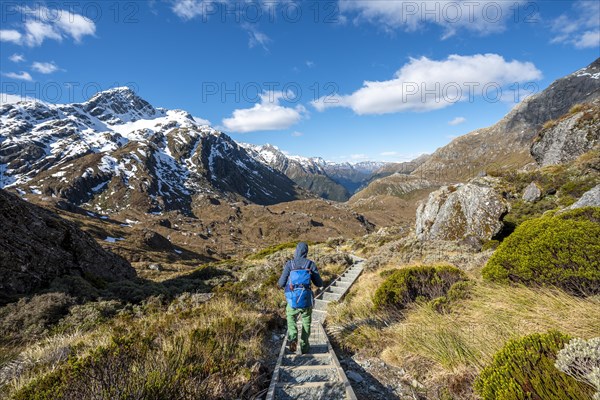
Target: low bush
column 524, row 369
column 30, row 318
column 407, row 285
column 560, row 250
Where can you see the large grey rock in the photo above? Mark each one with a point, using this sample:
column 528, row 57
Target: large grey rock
column 474, row 209
column 591, row 198
column 532, row 193
column 568, row 138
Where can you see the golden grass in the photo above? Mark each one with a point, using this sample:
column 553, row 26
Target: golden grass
column 449, row 350
column 478, row 327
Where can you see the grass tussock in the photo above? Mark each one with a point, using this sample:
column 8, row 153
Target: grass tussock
column 205, row 350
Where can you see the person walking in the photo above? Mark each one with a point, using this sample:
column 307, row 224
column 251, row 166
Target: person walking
column 296, row 278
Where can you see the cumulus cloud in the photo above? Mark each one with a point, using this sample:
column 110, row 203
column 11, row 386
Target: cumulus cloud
column 297, row 134
column 482, row 17
column 10, row 35
column 23, row 76
column 44, row 67
column 580, row 27
column 41, row 23
column 424, row 84
column 457, row 121
column 17, row 58
column 201, row 121
column 268, row 115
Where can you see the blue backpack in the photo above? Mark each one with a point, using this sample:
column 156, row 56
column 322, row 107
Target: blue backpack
column 299, row 295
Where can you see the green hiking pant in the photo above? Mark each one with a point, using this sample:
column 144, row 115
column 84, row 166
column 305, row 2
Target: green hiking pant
column 306, row 315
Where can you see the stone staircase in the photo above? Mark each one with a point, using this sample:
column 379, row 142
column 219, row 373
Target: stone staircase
column 318, row 374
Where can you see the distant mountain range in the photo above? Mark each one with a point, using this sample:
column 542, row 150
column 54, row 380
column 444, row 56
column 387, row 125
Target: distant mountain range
column 116, row 151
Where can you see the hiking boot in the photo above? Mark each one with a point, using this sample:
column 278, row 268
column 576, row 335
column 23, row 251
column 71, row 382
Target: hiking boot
column 292, row 346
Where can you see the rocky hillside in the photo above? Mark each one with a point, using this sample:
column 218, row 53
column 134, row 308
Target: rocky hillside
column 308, row 173
column 117, row 151
column 37, row 246
column 568, row 137
column 506, row 144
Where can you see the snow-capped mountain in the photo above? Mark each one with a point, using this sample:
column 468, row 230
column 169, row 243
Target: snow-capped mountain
column 116, row 151
column 308, row 173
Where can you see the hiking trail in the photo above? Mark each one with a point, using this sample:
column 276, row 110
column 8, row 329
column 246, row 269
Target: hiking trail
column 317, row 374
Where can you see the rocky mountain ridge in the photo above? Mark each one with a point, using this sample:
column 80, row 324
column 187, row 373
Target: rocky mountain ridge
column 116, row 151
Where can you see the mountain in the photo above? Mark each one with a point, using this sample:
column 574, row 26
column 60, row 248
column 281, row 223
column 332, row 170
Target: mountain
column 308, row 173
column 352, row 176
column 37, row 246
column 117, row 151
column 507, row 143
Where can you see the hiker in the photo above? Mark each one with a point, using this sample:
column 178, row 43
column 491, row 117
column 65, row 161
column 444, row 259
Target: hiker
column 296, row 277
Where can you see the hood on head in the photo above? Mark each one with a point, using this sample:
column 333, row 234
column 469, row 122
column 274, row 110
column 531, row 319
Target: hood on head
column 301, row 250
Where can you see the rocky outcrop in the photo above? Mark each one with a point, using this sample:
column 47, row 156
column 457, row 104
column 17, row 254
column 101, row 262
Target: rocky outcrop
column 37, row 246
column 472, row 210
column 591, row 198
column 532, row 193
column 566, row 139
column 506, row 144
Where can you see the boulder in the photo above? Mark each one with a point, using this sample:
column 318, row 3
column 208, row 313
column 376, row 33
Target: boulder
column 458, row 212
column 591, row 198
column 532, row 193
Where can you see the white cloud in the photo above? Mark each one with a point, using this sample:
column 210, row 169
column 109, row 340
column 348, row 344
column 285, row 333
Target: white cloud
column 310, row 64
column 40, row 24
column 44, row 67
column 268, row 115
column 388, row 153
column 297, row 134
column 256, row 38
column 482, row 17
column 10, row 35
column 457, row 121
column 588, row 39
column 17, row 58
column 580, row 27
column 357, row 157
column 424, row 85
column 201, row 121
column 23, row 76
column 6, row 98
column 189, row 9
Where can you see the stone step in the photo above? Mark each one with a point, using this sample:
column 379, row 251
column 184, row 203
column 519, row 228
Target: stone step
column 331, row 296
column 311, row 391
column 336, row 289
column 306, row 359
column 308, row 374
column 320, row 305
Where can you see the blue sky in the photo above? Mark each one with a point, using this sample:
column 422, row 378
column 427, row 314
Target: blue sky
column 344, row 80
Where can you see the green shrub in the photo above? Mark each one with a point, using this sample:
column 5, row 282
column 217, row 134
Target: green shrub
column 407, row 285
column 560, row 250
column 490, row 245
column 524, row 369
